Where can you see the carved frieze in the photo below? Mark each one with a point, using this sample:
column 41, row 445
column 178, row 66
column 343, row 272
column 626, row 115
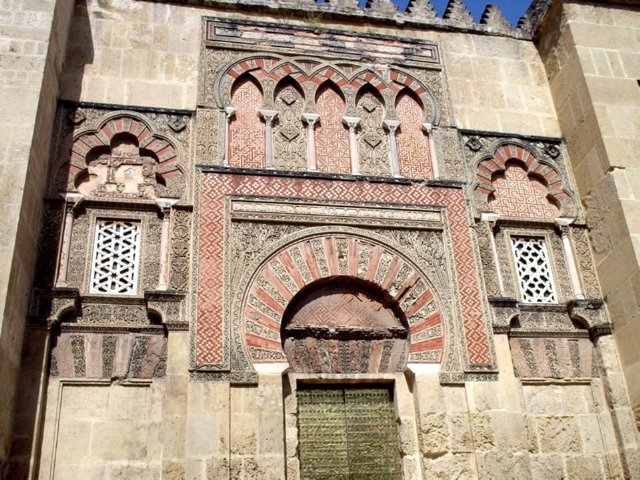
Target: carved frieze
column 180, row 249
column 109, row 355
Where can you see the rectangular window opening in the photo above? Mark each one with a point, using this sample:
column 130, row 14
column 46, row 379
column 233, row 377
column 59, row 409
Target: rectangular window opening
column 533, row 269
column 116, row 252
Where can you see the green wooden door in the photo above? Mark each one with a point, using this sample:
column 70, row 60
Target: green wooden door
column 347, row 434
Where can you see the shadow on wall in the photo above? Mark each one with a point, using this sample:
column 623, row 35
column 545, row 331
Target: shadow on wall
column 32, row 386
column 80, row 53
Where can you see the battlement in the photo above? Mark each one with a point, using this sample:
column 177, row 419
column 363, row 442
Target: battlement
column 416, row 13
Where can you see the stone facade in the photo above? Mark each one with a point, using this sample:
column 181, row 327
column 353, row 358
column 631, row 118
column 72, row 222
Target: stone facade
column 261, row 240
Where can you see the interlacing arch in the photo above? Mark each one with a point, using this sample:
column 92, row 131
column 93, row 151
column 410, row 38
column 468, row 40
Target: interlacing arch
column 309, row 71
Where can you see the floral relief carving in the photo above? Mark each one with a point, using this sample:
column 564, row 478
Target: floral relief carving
column 483, row 232
column 180, row 238
column 78, row 254
column 373, row 145
column 585, row 263
column 51, row 226
column 290, row 139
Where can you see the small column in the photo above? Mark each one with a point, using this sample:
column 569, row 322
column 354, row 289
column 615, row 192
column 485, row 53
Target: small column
column 72, row 200
column 311, row 119
column 491, row 219
column 563, row 225
column 392, row 126
column 269, row 117
column 165, row 205
column 229, row 112
column 352, row 123
column 428, row 129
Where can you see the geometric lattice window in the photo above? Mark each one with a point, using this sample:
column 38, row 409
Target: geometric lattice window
column 114, row 267
column 534, row 270
column 348, row 433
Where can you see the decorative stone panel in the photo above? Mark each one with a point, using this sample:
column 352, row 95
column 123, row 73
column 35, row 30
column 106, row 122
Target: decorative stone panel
column 413, row 152
column 215, row 337
column 560, row 358
column 332, row 137
column 109, row 355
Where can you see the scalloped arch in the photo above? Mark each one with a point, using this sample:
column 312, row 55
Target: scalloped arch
column 163, row 148
column 488, row 166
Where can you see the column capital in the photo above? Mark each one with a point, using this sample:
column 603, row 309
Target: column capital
column 563, row 224
column 489, row 217
column 71, row 197
column 229, row 112
column 352, row 122
column 392, row 125
column 310, row 119
column 268, row 115
column 72, row 200
column 164, row 203
column 427, row 128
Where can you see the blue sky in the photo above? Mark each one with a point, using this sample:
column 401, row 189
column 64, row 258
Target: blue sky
column 513, row 9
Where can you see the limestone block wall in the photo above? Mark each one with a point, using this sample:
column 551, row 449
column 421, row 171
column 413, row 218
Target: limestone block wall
column 147, row 54
column 32, row 46
column 592, row 62
column 498, row 84
column 174, row 428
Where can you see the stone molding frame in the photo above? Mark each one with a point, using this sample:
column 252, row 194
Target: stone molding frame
column 403, row 281
column 427, row 314
column 76, row 306
column 493, row 161
column 167, row 151
column 350, row 78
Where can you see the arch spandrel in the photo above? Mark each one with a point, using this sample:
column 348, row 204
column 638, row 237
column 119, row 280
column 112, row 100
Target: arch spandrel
column 338, row 257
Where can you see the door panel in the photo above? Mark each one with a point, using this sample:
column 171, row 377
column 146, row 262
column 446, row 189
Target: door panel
column 347, row 433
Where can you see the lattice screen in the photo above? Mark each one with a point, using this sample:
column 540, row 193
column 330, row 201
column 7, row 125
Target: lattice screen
column 114, row 268
column 534, row 270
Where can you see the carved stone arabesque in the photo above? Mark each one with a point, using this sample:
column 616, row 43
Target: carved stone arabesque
column 208, row 141
column 180, row 249
column 584, row 260
column 449, row 153
column 483, row 232
column 290, row 139
column 506, row 264
column 111, row 355
column 49, row 242
column 373, row 145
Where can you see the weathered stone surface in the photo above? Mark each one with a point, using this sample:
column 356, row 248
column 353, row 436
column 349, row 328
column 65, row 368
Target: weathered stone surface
column 128, row 392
